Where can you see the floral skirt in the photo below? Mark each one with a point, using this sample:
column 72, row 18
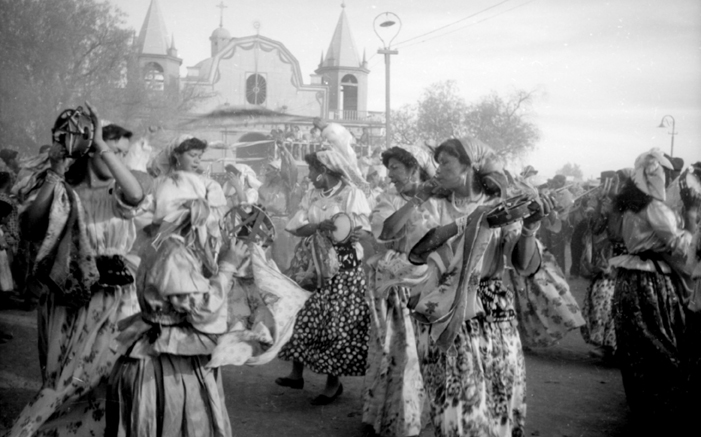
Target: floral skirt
column 331, row 330
column 393, row 393
column 600, row 329
column 545, row 308
column 166, row 395
column 77, row 347
column 650, row 328
column 478, row 387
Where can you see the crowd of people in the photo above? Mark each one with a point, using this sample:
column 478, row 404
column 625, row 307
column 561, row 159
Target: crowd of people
column 428, row 269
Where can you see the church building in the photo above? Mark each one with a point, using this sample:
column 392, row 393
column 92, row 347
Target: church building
column 253, row 72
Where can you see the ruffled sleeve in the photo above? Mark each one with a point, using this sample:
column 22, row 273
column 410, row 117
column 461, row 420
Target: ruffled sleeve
column 385, row 207
column 358, row 207
column 121, row 208
column 664, row 225
column 301, row 217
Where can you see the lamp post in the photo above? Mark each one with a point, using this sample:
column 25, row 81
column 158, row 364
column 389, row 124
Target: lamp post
column 387, row 30
column 665, row 123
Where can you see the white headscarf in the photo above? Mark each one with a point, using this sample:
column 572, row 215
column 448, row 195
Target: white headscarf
column 648, row 173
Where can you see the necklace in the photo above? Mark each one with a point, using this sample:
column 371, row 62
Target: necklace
column 331, row 191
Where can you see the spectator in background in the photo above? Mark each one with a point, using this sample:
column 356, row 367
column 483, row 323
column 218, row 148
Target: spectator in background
column 9, row 157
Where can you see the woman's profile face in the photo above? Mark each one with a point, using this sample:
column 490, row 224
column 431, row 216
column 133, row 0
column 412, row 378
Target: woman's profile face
column 316, row 177
column 400, row 174
column 190, row 160
column 451, row 173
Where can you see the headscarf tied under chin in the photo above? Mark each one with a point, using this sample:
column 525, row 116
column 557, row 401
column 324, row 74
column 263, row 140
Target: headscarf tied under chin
column 339, row 163
column 162, row 162
column 487, row 165
column 648, row 173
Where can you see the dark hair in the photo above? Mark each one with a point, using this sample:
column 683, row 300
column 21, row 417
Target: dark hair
column 489, row 184
column 5, row 180
column 454, row 148
column 77, row 171
column 406, row 158
column 313, row 162
column 115, row 132
column 8, row 154
column 45, row 148
column 187, row 145
column 631, row 198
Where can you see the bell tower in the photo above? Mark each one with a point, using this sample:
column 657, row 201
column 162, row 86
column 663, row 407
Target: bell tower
column 157, row 59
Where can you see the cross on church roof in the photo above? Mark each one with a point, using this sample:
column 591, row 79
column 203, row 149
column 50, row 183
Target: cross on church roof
column 221, row 7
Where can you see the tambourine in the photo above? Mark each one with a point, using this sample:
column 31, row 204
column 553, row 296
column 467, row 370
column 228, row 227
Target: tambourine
column 74, row 130
column 344, row 228
column 510, row 211
column 690, row 188
column 252, row 226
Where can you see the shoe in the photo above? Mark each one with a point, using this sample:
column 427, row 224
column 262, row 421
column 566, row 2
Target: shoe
column 291, row 383
column 325, row 400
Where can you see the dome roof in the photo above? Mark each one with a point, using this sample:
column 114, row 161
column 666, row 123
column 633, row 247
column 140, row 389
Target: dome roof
column 221, row 33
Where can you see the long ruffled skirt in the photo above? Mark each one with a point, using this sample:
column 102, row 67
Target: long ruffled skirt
column 166, row 395
column 77, row 350
column 650, row 328
column 478, row 387
column 600, row 329
column 394, row 393
column 545, row 308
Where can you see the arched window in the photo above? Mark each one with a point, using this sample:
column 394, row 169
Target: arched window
column 256, row 89
column 349, row 90
column 154, row 77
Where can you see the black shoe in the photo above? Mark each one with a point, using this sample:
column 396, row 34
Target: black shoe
column 325, row 400
column 291, row 383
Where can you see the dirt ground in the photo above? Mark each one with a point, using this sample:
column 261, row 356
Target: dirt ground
column 570, row 393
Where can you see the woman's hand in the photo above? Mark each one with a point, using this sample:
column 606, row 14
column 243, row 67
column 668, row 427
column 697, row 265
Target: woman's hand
column 326, row 225
column 238, row 255
column 98, row 142
column 540, row 208
column 357, row 234
column 59, row 159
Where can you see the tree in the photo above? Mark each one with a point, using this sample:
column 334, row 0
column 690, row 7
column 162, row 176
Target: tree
column 571, row 170
column 55, row 55
column 441, row 114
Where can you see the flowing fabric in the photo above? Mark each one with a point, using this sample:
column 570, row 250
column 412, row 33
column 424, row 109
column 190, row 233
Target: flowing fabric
column 394, row 396
column 545, row 308
column 77, row 342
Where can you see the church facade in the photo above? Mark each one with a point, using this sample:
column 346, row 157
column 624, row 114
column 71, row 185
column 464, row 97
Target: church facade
column 258, row 75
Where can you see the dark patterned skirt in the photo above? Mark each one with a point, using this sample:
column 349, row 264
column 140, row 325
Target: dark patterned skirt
column 331, row 330
column 650, row 326
column 478, row 387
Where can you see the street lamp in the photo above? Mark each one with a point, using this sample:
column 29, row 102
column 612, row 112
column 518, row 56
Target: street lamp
column 665, row 123
column 387, row 30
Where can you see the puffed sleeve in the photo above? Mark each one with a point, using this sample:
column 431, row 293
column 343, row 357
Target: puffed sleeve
column 510, row 235
column 358, row 207
column 384, row 208
column 121, row 208
column 301, row 217
column 664, row 225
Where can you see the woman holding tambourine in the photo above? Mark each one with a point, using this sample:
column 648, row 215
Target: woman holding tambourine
column 331, row 331
column 474, row 370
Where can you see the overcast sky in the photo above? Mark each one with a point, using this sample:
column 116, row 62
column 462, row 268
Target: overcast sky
column 605, row 72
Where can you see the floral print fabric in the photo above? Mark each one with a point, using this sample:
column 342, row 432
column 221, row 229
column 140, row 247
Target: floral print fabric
column 545, row 308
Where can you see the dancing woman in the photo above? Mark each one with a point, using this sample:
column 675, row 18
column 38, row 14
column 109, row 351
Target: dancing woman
column 331, row 331
column 650, row 294
column 82, row 211
column 160, row 385
column 474, row 370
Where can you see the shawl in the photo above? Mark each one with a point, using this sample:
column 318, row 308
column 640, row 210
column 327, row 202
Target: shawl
column 486, row 163
column 65, row 261
column 648, row 173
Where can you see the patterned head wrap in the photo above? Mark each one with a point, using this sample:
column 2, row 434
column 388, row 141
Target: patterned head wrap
column 648, row 173
column 338, row 163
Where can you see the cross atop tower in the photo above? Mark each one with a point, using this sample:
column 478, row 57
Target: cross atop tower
column 221, row 7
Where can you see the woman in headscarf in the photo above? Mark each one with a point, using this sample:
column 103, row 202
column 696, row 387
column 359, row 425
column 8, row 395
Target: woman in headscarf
column 650, row 293
column 160, row 386
column 394, row 394
column 331, row 331
column 81, row 210
column 473, row 370
column 607, row 242
column 545, row 308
